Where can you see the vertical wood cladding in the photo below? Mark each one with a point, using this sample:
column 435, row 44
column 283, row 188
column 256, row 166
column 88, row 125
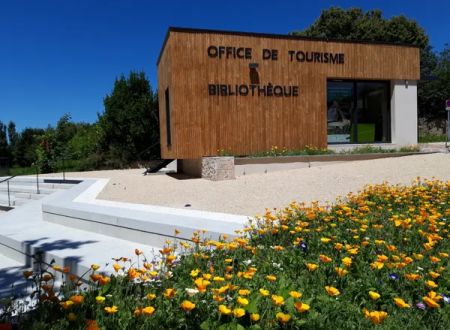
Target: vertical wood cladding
column 203, row 123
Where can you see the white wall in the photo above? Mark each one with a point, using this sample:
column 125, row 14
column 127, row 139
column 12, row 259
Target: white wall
column 404, row 112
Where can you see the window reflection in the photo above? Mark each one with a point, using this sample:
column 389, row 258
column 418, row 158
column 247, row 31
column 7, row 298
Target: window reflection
column 358, row 112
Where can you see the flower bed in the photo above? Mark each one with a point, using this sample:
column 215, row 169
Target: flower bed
column 379, row 258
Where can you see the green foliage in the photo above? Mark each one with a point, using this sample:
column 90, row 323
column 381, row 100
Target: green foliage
column 433, row 92
column 129, row 125
column 355, row 24
column 428, row 138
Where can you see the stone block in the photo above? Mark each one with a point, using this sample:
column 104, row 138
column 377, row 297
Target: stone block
column 218, row 168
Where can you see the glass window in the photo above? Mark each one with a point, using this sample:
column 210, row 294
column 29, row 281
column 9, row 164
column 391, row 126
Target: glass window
column 168, row 125
column 358, row 112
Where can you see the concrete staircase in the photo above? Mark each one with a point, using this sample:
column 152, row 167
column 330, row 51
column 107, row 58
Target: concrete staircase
column 72, row 228
column 23, row 189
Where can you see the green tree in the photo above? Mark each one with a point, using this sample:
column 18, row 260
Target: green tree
column 26, row 146
column 129, row 124
column 434, row 92
column 4, row 150
column 355, row 24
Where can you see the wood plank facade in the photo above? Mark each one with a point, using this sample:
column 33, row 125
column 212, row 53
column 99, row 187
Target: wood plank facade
column 204, row 117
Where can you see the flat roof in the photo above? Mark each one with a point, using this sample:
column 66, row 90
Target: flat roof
column 273, row 36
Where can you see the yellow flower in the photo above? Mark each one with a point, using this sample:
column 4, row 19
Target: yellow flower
column 255, row 317
column 201, row 284
column 66, row 304
column 283, row 318
column 374, row 295
column 431, row 284
column 94, row 267
column 340, row 271
column 264, row 292
column 224, row 310
column 277, row 300
column 377, row 317
column 271, row 278
column 325, row 240
column 238, row 312
column 377, row 265
column 244, row 292
column 242, row 301
column 301, row 308
column 401, row 303
column 151, row 296
column 194, row 272
column 311, row 267
column 332, row 291
column 295, row 294
column 434, row 275
column 431, row 303
column 412, row 277
column 187, row 306
column 347, row 261
column 117, row 267
column 111, row 310
column 149, row 310
column 100, row 299
column 169, row 293
column 325, row 258
column 338, row 246
column 71, row 317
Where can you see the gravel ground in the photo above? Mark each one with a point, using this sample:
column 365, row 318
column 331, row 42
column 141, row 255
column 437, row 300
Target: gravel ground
column 251, row 194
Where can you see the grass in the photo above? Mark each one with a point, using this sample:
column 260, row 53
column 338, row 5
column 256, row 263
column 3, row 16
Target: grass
column 428, row 138
column 379, row 258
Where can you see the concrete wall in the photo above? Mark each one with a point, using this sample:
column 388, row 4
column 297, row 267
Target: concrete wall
column 404, row 112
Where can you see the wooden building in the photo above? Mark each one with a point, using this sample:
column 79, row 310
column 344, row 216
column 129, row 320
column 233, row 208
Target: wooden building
column 242, row 93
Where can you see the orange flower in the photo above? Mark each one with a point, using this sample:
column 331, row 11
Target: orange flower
column 377, row 317
column 301, row 308
column 332, row 291
column 401, row 303
column 187, row 306
column 77, row 299
column 169, row 293
column 283, row 318
column 325, row 258
column 148, row 311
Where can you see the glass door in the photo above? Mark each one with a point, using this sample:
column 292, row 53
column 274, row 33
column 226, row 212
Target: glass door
column 358, row 111
column 340, row 105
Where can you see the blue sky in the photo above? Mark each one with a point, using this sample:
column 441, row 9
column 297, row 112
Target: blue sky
column 61, row 57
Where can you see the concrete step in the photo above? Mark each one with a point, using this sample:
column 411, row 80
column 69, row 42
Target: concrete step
column 24, row 234
column 29, row 195
column 25, row 189
column 147, row 224
column 4, row 199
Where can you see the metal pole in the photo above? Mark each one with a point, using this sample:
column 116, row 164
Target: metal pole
column 64, row 169
column 9, row 197
column 37, row 180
